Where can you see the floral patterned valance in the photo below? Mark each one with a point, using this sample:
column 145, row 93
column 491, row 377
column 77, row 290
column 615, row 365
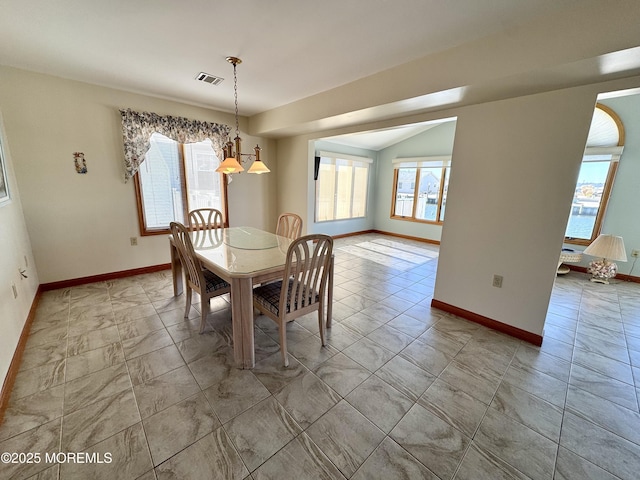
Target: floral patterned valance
column 137, row 128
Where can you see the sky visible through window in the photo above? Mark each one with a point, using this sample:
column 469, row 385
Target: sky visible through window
column 586, row 199
column 593, row 172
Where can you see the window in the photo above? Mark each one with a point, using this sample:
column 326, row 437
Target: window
column 597, row 173
column 420, row 188
column 341, row 188
column 589, row 201
column 175, row 178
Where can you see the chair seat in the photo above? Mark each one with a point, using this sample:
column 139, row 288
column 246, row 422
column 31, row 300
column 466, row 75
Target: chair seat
column 213, row 281
column 269, row 297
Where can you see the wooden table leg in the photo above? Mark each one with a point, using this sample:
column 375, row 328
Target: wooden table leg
column 242, row 320
column 176, row 270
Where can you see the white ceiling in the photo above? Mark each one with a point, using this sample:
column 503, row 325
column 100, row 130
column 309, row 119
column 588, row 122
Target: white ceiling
column 377, row 140
column 291, row 49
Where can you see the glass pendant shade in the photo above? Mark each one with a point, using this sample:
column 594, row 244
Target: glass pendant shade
column 258, row 167
column 230, row 165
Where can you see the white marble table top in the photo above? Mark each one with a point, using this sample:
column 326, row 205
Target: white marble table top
column 240, row 251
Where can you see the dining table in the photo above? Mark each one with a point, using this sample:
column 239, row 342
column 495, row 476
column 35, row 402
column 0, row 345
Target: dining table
column 244, row 257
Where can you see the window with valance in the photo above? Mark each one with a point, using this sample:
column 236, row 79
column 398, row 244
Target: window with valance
column 173, row 162
column 137, row 128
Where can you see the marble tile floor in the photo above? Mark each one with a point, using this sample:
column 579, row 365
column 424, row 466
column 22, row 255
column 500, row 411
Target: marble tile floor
column 401, row 391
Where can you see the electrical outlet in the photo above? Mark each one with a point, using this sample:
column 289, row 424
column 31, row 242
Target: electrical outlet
column 635, row 253
column 497, row 281
column 14, row 290
column 134, row 241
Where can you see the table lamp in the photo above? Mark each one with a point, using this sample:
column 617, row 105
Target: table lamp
column 607, row 247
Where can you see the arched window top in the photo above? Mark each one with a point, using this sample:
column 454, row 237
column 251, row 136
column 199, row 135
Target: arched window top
column 606, row 128
column 605, row 144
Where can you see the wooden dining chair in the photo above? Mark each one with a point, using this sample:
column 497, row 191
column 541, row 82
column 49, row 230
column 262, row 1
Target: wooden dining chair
column 207, row 284
column 289, row 225
column 307, row 271
column 205, row 218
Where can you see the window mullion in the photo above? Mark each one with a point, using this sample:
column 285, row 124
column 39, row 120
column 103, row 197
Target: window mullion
column 416, row 191
column 335, row 189
column 183, row 182
column 394, row 196
column 353, row 190
column 440, row 193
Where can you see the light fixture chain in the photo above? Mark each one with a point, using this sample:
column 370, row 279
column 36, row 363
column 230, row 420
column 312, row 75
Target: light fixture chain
column 233, row 160
column 235, row 93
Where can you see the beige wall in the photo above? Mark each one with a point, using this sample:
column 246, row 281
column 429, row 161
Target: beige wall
column 80, row 225
column 293, row 172
column 14, row 247
column 515, row 164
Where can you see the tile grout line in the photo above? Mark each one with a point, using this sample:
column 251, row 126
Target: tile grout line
column 485, row 415
column 133, row 392
column 64, row 389
column 564, row 410
column 566, row 393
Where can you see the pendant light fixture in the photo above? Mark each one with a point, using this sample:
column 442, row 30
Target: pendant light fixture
column 233, row 158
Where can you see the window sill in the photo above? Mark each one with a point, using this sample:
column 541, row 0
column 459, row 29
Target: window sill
column 150, row 233
column 577, row 241
column 416, row 220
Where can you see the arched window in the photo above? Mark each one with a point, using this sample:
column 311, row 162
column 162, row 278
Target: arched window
column 597, row 173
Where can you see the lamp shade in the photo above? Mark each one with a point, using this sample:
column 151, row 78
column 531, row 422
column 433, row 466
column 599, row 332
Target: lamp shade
column 258, row 167
column 230, row 165
column 608, row 247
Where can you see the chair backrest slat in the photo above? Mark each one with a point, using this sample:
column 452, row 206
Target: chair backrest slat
column 307, row 266
column 289, row 225
column 205, row 218
column 190, row 262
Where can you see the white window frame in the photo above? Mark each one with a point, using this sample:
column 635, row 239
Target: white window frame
column 332, row 158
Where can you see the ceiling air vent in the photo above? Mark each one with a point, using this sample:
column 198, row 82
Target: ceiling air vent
column 208, row 78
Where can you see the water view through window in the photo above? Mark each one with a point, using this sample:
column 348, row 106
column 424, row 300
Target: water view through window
column 587, row 199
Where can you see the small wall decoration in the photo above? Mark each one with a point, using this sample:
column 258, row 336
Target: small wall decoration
column 81, row 163
column 4, row 180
